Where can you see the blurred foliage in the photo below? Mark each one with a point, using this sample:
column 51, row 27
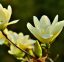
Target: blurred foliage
column 25, row 10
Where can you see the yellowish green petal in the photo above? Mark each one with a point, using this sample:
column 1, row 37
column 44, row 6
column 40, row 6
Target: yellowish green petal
column 13, row 22
column 11, row 35
column 44, row 21
column 2, row 16
column 1, row 6
column 55, row 20
column 2, row 41
column 55, row 35
column 34, row 31
column 57, row 27
column 15, row 51
column 9, row 9
column 46, row 36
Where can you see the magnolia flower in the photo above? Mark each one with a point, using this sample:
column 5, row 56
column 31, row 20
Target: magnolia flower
column 20, row 40
column 44, row 31
column 5, row 15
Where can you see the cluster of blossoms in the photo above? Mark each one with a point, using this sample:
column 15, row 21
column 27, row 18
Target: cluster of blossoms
column 22, row 46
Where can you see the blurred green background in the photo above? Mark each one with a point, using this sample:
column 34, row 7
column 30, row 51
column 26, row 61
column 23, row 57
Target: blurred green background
column 25, row 10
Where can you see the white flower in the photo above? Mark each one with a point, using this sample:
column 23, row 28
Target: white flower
column 5, row 15
column 44, row 31
column 20, row 40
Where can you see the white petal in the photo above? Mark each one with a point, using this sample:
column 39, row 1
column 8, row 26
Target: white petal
column 20, row 34
column 1, row 6
column 13, row 22
column 55, row 35
column 36, row 22
column 28, row 42
column 13, row 50
column 2, row 15
column 57, row 27
column 44, row 22
column 55, row 20
column 31, row 41
column 2, row 41
column 26, row 36
column 11, row 35
column 6, row 14
column 46, row 36
column 34, row 31
column 6, row 31
column 10, row 10
column 8, row 34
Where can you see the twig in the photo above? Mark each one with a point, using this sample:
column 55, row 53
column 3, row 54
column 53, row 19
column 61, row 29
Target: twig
column 57, row 56
column 50, row 59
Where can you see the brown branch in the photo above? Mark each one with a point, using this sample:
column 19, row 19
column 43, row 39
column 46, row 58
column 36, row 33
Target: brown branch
column 42, row 59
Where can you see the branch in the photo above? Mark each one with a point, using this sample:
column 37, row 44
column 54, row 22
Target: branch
column 57, row 56
column 50, row 59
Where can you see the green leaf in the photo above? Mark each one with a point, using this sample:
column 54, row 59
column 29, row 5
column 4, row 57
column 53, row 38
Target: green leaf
column 37, row 49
